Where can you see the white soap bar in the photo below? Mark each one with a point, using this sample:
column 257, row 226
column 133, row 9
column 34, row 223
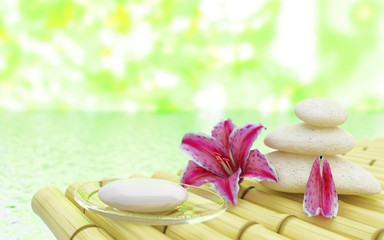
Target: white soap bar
column 143, row 195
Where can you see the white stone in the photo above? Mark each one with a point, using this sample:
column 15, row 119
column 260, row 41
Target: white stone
column 293, row 171
column 143, row 195
column 321, row 112
column 306, row 139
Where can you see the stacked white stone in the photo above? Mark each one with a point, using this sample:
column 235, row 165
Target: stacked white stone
column 300, row 144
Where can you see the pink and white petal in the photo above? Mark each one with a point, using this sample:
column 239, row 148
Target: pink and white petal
column 222, row 131
column 195, row 175
column 258, row 167
column 241, row 140
column 201, row 148
column 320, row 197
column 312, row 194
column 330, row 199
column 228, row 188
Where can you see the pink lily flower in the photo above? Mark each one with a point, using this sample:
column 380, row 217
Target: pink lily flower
column 320, row 197
column 224, row 158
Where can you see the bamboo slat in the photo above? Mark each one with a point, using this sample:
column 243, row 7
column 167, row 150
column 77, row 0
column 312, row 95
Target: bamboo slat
column 193, row 231
column 234, row 226
column 260, row 232
column 379, row 196
column 369, row 146
column 370, row 152
column 374, row 204
column 362, row 158
column 376, row 143
column 365, row 158
column 63, row 218
column 358, row 160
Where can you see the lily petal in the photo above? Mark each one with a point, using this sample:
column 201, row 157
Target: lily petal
column 222, row 131
column 241, row 140
column 195, row 175
column 258, row 167
column 228, row 188
column 202, row 149
column 320, row 197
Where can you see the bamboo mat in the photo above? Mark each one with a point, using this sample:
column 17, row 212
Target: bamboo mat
column 260, row 214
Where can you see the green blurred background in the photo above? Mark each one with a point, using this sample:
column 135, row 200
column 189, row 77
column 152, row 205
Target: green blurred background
column 73, row 71
column 173, row 55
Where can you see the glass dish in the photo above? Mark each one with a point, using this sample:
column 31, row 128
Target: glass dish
column 201, row 205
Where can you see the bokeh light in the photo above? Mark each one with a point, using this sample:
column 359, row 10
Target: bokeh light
column 173, row 55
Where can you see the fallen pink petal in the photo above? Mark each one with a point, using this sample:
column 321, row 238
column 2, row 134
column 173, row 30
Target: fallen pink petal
column 225, row 158
column 320, row 197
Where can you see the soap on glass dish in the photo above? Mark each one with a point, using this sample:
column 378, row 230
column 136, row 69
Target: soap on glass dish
column 150, row 201
column 143, row 195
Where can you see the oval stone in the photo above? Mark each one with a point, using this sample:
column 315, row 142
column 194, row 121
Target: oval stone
column 305, row 139
column 321, row 112
column 293, row 171
column 143, row 195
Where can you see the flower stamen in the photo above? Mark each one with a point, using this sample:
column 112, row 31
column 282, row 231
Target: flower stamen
column 231, row 157
column 216, row 154
column 224, row 162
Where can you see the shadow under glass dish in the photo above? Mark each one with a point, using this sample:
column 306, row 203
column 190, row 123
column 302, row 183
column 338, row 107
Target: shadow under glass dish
column 201, row 205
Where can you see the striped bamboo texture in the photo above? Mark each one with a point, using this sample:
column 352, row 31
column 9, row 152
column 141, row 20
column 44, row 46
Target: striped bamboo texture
column 261, row 213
